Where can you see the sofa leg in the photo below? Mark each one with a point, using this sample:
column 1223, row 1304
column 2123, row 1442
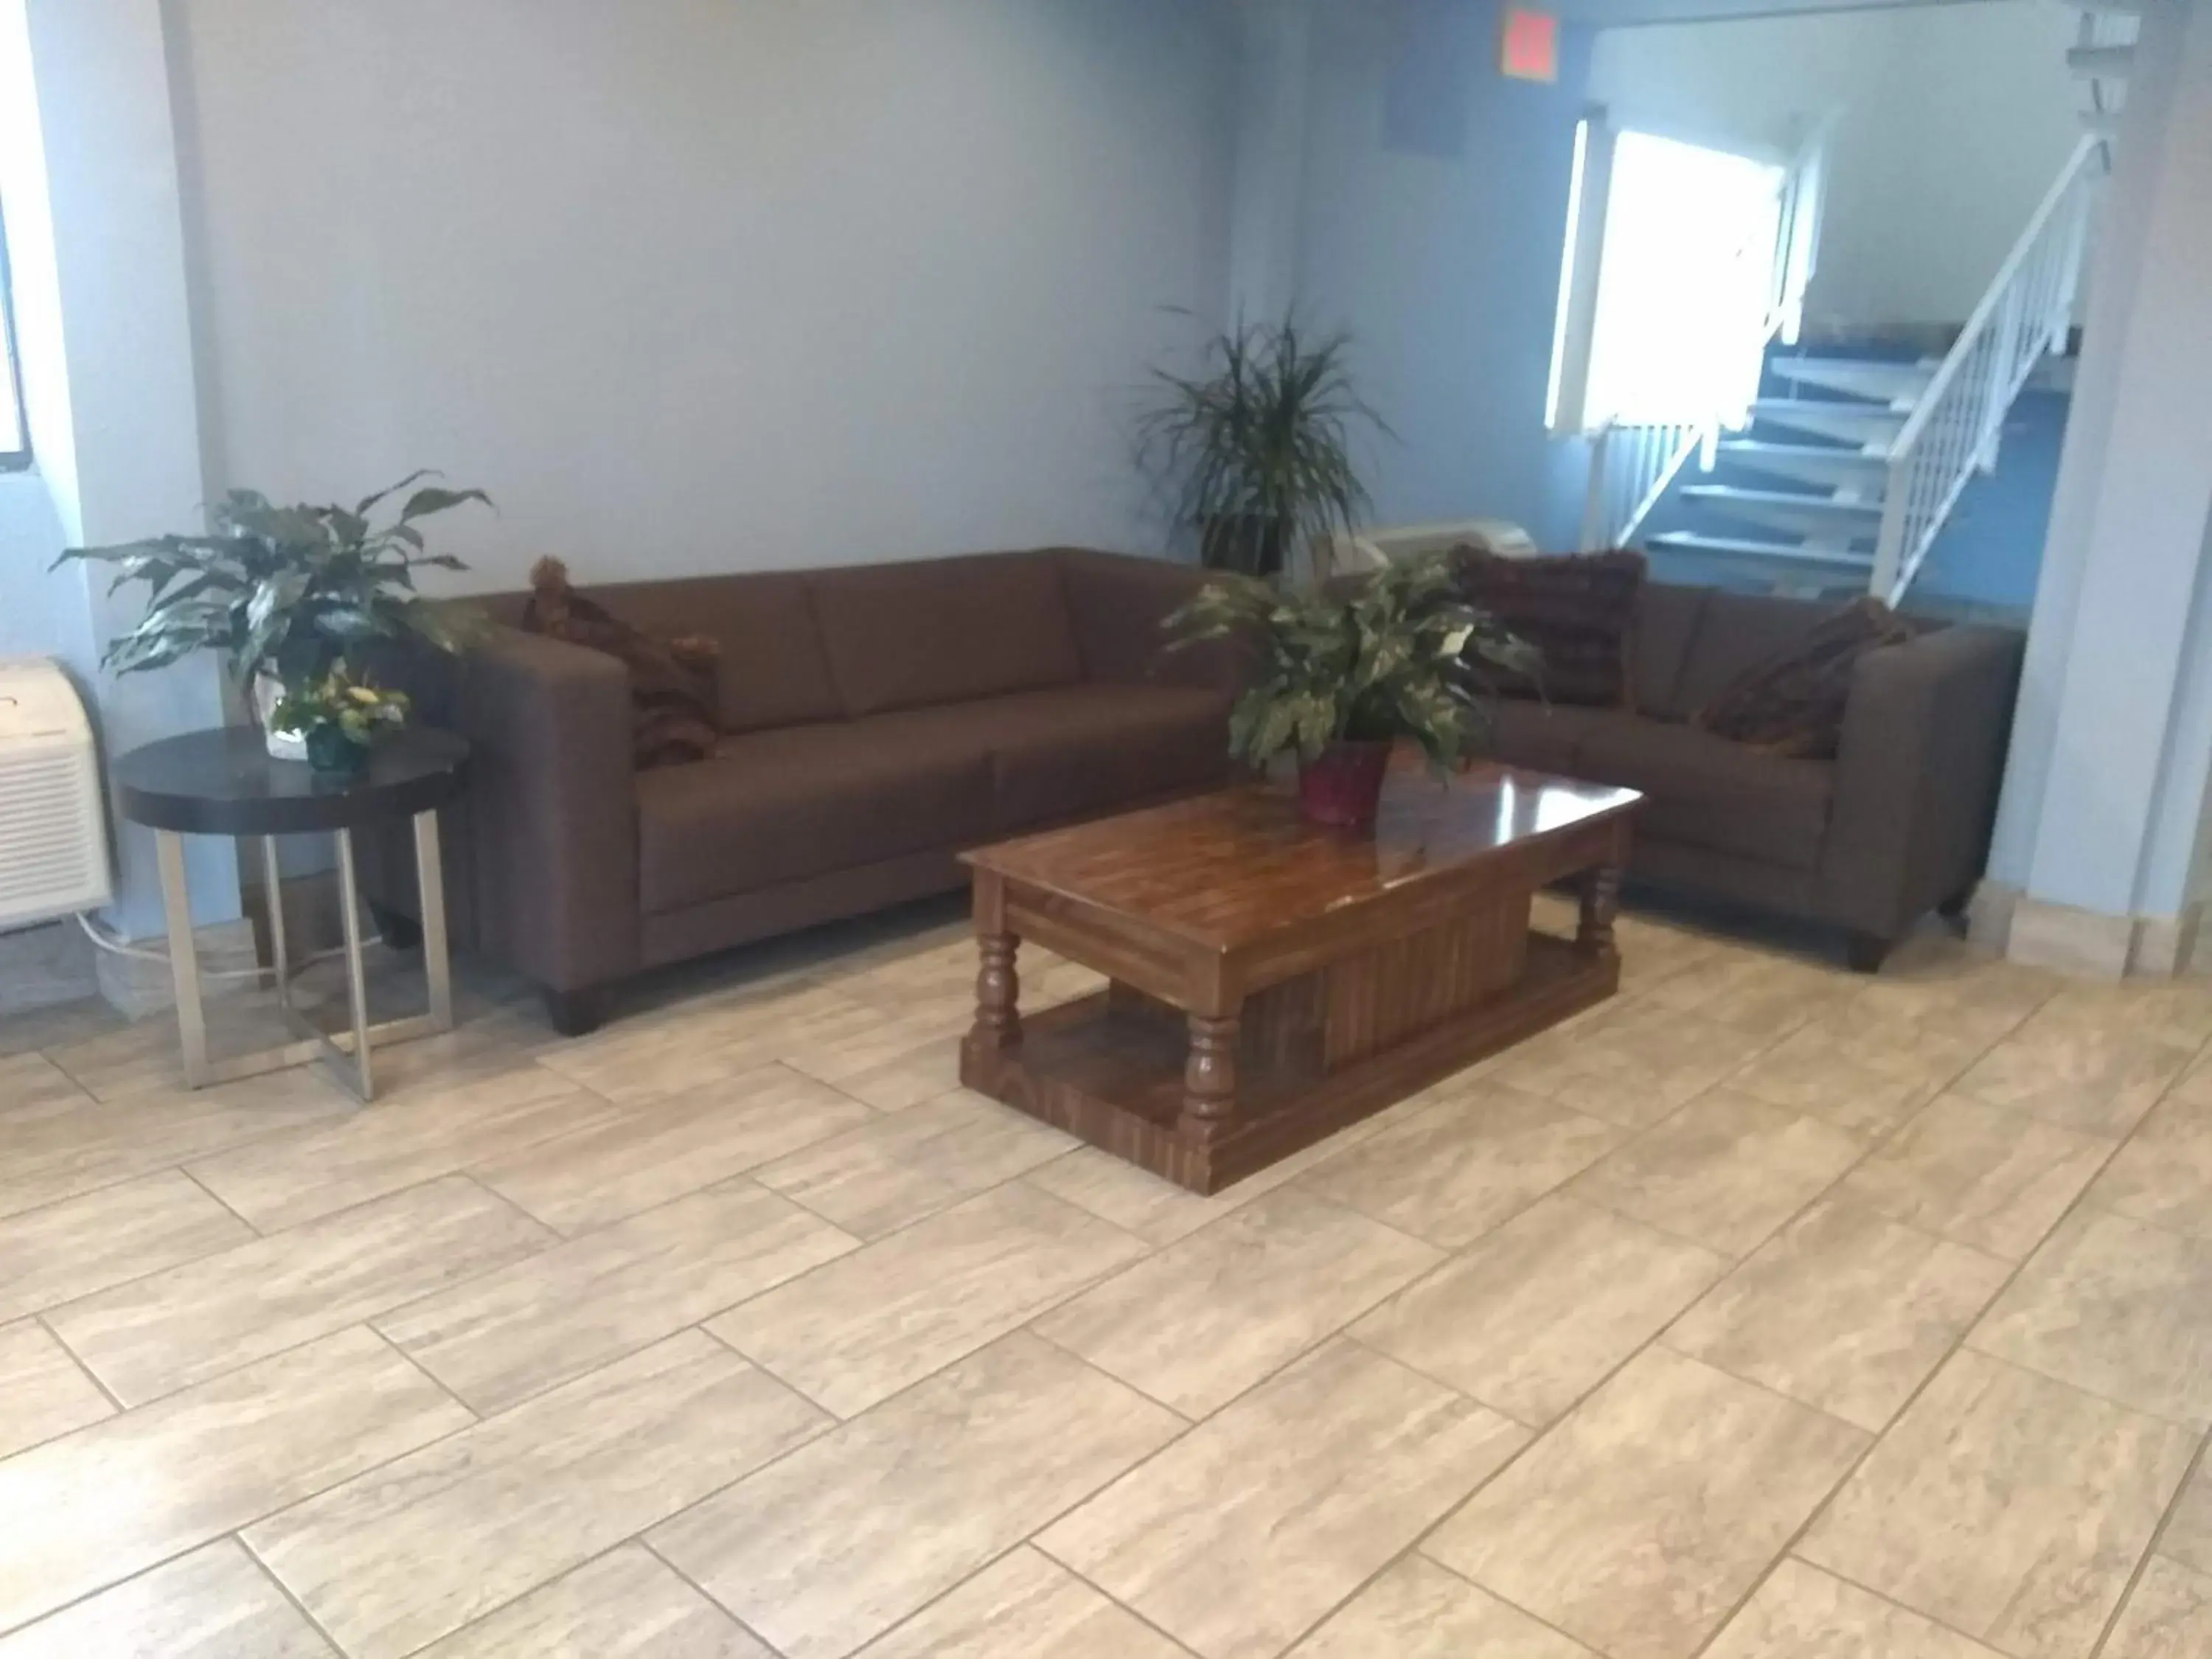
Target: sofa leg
column 1865, row 951
column 578, row 1014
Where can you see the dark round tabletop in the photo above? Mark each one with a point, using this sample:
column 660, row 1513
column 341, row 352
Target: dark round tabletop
column 224, row 783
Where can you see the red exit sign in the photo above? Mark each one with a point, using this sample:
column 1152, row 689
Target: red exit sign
column 1530, row 48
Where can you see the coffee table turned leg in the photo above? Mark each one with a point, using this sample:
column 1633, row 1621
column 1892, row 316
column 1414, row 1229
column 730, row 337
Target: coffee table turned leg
column 998, row 993
column 1209, row 1077
column 1601, row 904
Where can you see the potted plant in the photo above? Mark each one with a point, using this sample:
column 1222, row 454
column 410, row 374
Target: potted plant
column 283, row 592
column 1340, row 679
column 337, row 717
column 1256, row 450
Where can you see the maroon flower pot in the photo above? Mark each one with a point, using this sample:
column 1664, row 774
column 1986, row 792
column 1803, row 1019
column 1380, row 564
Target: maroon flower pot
column 1342, row 785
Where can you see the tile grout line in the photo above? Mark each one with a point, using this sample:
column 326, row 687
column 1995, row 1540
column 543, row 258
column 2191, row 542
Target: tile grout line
column 217, row 1199
column 711, row 1599
column 78, row 1360
column 238, row 1530
column 365, row 1322
column 1869, row 1151
column 2198, row 1463
column 285, row 1591
column 1958, row 1344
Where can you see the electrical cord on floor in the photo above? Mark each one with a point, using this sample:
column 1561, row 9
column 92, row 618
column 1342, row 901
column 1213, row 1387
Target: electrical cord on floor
column 120, row 947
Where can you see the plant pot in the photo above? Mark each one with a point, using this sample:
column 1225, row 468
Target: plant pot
column 1246, row 542
column 333, row 753
column 1342, row 785
column 268, row 692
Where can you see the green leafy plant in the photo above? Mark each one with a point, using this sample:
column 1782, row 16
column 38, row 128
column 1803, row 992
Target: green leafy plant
column 286, row 590
column 1256, row 450
column 1400, row 656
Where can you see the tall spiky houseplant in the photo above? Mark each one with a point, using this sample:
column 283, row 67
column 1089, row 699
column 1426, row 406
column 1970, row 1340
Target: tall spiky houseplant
column 1256, row 449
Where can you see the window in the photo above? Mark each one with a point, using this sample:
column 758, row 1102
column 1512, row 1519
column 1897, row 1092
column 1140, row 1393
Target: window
column 15, row 439
column 1677, row 256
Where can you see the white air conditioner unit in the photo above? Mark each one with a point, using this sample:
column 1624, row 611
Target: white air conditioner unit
column 1371, row 550
column 53, row 837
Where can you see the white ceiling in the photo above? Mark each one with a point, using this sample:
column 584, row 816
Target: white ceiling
column 1686, row 11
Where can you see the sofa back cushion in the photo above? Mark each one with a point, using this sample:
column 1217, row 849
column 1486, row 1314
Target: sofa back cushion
column 945, row 630
column 772, row 672
column 1667, row 618
column 1578, row 611
column 1117, row 603
column 1734, row 632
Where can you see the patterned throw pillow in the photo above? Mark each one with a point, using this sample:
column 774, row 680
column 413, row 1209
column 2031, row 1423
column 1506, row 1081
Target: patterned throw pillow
column 1578, row 611
column 1792, row 703
column 672, row 685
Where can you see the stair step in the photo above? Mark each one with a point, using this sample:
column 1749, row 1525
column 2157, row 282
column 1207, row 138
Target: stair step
column 1859, row 424
column 1896, row 384
column 1811, row 463
column 2100, row 63
column 2118, row 8
column 1746, row 547
column 1793, row 514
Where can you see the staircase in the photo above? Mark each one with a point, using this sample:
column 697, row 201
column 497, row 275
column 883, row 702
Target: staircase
column 1850, row 467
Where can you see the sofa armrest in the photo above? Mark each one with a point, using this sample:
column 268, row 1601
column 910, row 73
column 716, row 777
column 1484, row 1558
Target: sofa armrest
column 552, row 808
column 1117, row 603
column 1917, row 776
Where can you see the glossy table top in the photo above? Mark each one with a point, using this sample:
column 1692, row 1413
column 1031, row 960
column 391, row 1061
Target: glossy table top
column 223, row 781
column 1223, row 867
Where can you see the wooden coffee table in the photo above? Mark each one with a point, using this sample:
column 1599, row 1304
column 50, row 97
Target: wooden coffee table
column 1271, row 980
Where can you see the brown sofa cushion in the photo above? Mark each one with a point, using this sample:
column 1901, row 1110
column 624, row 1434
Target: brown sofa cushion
column 779, row 806
column 945, row 630
column 772, row 670
column 1071, row 751
column 1579, row 611
column 672, row 683
column 1544, row 737
column 1737, row 631
column 1667, row 618
column 1792, row 703
column 1117, row 603
column 1705, row 792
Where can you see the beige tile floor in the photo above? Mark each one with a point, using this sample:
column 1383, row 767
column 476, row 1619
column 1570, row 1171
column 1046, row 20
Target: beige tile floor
column 1765, row 1313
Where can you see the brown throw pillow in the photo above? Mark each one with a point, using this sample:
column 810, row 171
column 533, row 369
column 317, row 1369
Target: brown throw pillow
column 672, row 685
column 1792, row 703
column 1579, row 611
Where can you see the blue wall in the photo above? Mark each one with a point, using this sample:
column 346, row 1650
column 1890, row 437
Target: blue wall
column 1991, row 551
column 1435, row 213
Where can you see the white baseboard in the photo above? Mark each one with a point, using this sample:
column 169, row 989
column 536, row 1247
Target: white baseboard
column 2084, row 943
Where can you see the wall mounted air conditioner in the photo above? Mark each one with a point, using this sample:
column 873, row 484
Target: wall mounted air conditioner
column 53, row 837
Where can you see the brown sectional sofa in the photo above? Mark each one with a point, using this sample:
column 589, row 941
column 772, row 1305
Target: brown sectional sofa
column 1897, row 824
column 877, row 720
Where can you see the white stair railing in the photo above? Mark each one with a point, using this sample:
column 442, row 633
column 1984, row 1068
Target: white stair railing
column 1954, row 430
column 1631, row 467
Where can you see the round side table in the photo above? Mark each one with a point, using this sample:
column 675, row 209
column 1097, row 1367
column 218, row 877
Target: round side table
column 223, row 782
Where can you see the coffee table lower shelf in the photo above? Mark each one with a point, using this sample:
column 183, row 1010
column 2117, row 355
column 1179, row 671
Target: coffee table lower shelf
column 1110, row 1069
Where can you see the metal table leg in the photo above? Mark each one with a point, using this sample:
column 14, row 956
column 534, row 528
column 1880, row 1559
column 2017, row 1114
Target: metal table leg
column 184, row 958
column 430, row 884
column 349, row 1051
column 272, row 892
column 356, row 970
